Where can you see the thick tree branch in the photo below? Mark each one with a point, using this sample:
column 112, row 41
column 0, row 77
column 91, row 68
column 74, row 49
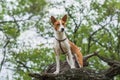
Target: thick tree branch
column 72, row 74
column 80, row 73
column 114, row 66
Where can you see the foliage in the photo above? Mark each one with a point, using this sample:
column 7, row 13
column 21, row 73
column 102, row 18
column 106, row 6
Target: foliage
column 31, row 61
column 93, row 27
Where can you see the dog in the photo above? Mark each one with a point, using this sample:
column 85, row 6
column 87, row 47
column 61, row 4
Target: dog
column 63, row 45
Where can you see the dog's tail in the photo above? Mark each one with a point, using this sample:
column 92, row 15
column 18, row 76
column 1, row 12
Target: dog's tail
column 77, row 53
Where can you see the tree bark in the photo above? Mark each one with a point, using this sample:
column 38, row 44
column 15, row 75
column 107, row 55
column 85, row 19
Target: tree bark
column 80, row 73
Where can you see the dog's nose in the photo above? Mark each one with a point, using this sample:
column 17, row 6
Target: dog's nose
column 62, row 29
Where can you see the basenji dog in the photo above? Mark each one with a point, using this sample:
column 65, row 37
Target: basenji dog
column 63, row 45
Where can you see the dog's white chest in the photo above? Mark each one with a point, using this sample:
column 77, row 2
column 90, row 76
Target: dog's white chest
column 62, row 47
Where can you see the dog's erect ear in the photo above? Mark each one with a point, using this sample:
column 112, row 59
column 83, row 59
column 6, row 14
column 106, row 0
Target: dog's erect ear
column 64, row 18
column 53, row 20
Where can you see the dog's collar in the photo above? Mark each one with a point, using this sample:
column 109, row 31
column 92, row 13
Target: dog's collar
column 60, row 44
column 60, row 40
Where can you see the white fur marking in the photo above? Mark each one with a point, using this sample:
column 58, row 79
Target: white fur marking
column 57, row 64
column 61, row 26
column 72, row 63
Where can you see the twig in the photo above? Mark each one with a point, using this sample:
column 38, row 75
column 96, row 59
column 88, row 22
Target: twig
column 4, row 53
column 13, row 21
column 24, row 65
column 90, row 37
column 16, row 24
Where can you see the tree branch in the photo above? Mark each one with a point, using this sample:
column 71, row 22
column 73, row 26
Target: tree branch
column 23, row 65
column 14, row 21
column 80, row 73
column 4, row 53
column 91, row 35
column 72, row 74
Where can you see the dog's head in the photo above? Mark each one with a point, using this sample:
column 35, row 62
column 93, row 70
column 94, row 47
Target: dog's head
column 59, row 25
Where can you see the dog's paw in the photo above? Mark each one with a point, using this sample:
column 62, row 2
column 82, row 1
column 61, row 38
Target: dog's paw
column 72, row 67
column 56, row 72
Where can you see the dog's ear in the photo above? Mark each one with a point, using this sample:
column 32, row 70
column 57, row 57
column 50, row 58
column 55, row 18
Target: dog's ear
column 64, row 18
column 53, row 20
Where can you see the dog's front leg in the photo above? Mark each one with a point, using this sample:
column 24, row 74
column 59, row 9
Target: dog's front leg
column 57, row 63
column 70, row 59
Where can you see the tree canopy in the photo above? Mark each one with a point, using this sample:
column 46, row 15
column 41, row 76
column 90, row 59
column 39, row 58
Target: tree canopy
column 93, row 25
